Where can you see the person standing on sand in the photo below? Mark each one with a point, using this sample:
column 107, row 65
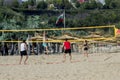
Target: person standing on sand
column 23, row 51
column 45, row 44
column 6, row 49
column 67, row 49
column 86, row 48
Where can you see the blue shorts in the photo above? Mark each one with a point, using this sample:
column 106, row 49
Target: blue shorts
column 44, row 44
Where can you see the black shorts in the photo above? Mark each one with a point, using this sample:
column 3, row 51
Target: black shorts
column 23, row 53
column 85, row 48
column 68, row 51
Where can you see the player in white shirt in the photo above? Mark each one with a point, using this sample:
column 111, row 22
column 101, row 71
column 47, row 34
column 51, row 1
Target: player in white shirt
column 23, row 51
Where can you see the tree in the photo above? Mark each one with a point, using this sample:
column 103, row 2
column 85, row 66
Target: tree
column 25, row 5
column 32, row 2
column 1, row 14
column 77, row 4
column 61, row 4
column 67, row 4
column 115, row 4
column 99, row 5
column 9, row 13
column 15, row 4
column 1, row 2
column 42, row 5
column 112, row 4
column 90, row 5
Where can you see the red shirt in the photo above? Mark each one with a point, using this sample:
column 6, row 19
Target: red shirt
column 67, row 45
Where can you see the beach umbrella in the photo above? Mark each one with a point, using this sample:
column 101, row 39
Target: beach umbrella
column 93, row 36
column 36, row 37
column 66, row 37
column 40, row 38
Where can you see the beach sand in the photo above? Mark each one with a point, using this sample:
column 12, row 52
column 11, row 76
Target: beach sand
column 98, row 66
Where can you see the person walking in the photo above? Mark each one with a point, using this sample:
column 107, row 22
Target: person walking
column 67, row 49
column 23, row 51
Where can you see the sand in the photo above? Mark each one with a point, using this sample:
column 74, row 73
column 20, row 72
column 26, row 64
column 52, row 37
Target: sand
column 102, row 66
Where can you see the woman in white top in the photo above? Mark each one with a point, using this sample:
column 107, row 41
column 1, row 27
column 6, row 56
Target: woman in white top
column 23, row 51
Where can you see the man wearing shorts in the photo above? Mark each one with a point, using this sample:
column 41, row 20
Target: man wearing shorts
column 67, row 49
column 23, row 51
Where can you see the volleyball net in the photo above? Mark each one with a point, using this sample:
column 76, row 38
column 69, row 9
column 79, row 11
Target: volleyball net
column 59, row 34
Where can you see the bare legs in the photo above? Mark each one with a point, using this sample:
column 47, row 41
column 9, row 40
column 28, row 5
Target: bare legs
column 70, row 57
column 86, row 53
column 20, row 59
column 25, row 59
column 65, row 57
column 46, row 50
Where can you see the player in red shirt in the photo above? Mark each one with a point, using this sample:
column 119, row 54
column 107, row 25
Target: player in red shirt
column 67, row 49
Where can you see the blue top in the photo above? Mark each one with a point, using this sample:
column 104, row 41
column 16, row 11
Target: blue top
column 44, row 44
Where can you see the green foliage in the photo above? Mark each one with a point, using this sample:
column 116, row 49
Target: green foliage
column 1, row 17
column 67, row 4
column 99, row 5
column 52, row 20
column 31, row 2
column 112, row 4
column 1, row 2
column 7, row 13
column 109, row 4
column 8, row 25
column 69, row 23
column 91, row 5
column 59, row 4
column 15, row 4
column 93, row 18
column 42, row 5
column 118, row 25
column 77, row 4
column 62, row 4
column 32, row 22
column 25, row 5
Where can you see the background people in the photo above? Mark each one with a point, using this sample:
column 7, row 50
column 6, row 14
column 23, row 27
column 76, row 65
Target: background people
column 45, row 44
column 86, row 48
